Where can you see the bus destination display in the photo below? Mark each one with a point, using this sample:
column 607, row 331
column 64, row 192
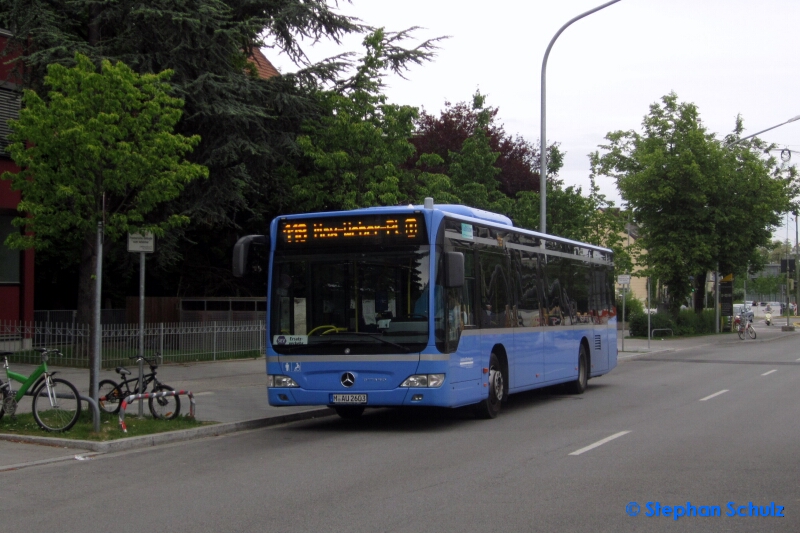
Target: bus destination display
column 338, row 231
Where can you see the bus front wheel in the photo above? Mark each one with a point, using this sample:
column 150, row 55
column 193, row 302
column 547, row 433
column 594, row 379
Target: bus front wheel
column 490, row 407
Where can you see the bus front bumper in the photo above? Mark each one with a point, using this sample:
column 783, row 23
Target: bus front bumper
column 442, row 396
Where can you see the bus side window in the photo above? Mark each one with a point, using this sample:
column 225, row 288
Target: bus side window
column 530, row 309
column 496, row 311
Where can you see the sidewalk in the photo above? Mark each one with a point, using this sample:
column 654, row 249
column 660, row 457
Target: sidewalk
column 639, row 347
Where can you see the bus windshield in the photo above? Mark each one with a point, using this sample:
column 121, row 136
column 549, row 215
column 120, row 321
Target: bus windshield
column 361, row 302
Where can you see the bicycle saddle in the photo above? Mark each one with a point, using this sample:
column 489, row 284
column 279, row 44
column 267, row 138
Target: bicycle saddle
column 122, row 371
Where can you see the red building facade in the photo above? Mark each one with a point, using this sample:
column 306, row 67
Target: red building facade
column 16, row 268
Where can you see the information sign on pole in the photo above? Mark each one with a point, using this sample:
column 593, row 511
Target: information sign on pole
column 624, row 279
column 141, row 243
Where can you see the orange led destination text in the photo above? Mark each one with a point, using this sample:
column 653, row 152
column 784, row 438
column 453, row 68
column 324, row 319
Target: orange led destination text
column 299, row 232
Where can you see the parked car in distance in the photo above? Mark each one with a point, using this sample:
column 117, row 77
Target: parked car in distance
column 741, row 310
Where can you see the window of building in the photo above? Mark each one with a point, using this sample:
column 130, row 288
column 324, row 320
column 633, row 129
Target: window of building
column 9, row 258
column 9, row 109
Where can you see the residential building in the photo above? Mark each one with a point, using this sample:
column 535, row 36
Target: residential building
column 16, row 268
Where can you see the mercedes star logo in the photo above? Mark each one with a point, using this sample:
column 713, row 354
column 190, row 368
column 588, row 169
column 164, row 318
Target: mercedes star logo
column 348, row 379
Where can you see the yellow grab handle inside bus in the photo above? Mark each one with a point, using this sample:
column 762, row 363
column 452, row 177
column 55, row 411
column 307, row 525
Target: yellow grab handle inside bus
column 329, row 328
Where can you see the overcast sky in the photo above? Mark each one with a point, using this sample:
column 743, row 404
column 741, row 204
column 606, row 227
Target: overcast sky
column 728, row 57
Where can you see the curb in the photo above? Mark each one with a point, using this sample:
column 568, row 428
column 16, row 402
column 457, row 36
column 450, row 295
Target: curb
column 635, row 355
column 167, row 437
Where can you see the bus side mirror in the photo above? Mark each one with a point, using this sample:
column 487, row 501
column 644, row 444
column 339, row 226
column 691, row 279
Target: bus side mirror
column 453, row 270
column 241, row 250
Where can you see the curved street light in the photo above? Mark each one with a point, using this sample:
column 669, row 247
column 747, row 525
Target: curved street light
column 786, row 155
column 543, row 140
column 762, row 131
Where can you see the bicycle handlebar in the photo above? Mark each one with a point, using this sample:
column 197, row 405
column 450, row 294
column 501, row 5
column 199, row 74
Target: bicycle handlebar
column 151, row 362
column 45, row 352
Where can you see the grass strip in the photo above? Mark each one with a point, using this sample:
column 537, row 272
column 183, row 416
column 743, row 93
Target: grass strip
column 24, row 424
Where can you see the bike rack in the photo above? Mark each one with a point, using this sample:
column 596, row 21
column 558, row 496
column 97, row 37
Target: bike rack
column 130, row 399
column 662, row 329
column 95, row 411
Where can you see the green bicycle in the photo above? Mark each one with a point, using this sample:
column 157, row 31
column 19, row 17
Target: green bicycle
column 56, row 402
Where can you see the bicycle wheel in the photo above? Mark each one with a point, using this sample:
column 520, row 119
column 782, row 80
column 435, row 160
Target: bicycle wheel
column 740, row 331
column 165, row 408
column 109, row 396
column 751, row 331
column 57, row 409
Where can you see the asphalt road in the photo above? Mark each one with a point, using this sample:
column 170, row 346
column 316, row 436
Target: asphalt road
column 658, row 429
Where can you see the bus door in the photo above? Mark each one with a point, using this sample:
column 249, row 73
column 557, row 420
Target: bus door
column 458, row 325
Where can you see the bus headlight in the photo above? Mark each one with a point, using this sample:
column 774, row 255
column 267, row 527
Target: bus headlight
column 281, row 381
column 424, row 380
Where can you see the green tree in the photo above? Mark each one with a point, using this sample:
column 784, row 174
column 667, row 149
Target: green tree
column 99, row 147
column 700, row 205
column 493, row 171
column 356, row 147
column 576, row 216
column 248, row 125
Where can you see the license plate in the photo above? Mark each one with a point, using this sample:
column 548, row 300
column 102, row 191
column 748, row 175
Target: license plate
column 348, row 398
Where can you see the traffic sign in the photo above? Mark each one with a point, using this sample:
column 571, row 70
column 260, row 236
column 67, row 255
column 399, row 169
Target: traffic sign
column 624, row 279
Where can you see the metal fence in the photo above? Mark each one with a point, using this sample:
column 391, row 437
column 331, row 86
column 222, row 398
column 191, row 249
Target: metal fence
column 172, row 343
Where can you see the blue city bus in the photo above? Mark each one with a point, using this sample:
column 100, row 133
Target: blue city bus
column 431, row 305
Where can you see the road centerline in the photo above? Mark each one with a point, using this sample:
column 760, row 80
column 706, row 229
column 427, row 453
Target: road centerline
column 600, row 443
column 768, row 373
column 723, row 391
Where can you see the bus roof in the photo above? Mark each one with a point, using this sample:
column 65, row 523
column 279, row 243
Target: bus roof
column 459, row 211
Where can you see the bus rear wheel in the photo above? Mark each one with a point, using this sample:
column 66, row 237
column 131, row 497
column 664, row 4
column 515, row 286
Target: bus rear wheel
column 579, row 385
column 490, row 407
column 349, row 412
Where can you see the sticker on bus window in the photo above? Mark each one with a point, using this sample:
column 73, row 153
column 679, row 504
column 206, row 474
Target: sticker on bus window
column 284, row 340
column 466, row 231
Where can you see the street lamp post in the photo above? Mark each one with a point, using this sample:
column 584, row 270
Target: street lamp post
column 788, row 327
column 762, row 131
column 543, row 133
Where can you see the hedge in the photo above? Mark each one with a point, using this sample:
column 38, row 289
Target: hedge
column 687, row 323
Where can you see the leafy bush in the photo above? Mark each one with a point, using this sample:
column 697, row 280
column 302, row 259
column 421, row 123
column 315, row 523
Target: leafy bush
column 638, row 323
column 691, row 323
column 687, row 323
column 632, row 305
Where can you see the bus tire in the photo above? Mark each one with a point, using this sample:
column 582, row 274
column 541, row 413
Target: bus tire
column 349, row 412
column 579, row 385
column 490, row 407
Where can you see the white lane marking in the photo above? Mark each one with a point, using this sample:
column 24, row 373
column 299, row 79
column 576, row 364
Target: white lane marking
column 600, row 443
column 797, row 359
column 204, row 393
column 768, row 373
column 723, row 391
